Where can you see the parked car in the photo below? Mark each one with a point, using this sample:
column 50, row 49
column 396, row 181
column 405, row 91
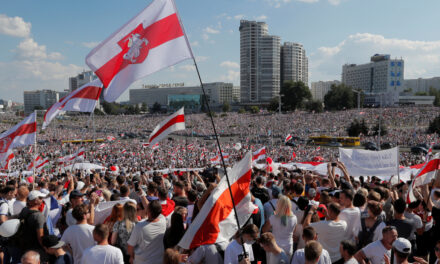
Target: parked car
column 370, row 146
column 386, row 145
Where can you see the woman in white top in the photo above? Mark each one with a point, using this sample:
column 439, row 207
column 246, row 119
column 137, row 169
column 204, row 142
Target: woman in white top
column 282, row 222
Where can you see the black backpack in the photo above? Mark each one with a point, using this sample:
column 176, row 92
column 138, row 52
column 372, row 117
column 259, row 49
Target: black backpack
column 366, row 234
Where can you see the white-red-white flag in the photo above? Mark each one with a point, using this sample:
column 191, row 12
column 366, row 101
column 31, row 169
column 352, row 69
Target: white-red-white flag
column 288, row 138
column 424, row 176
column 9, row 159
column 293, row 155
column 35, row 162
column 216, row 220
column 101, row 146
column 173, row 123
column 259, row 154
column 41, row 164
column 22, row 134
column 151, row 41
column 215, row 160
column 69, row 158
column 82, row 99
column 237, row 146
column 111, row 138
column 155, row 146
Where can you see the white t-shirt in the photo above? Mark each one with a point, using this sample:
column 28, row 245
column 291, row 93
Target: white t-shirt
column 352, row 216
column 70, row 220
column 417, row 223
column 17, row 207
column 4, row 207
column 283, row 234
column 79, row 237
column 102, row 254
column 147, row 240
column 330, row 235
column 375, row 252
column 206, row 254
column 351, row 261
column 300, row 258
column 234, row 249
column 377, row 232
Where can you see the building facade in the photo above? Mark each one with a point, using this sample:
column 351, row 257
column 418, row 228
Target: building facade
column 294, row 63
column 259, row 63
column 422, row 85
column 39, row 99
column 188, row 96
column 320, row 89
column 381, row 75
column 81, row 79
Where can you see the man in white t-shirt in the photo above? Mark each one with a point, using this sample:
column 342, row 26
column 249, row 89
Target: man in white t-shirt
column 331, row 231
column 309, row 234
column 350, row 214
column 145, row 244
column 79, row 236
column 102, row 253
column 21, row 199
column 376, row 250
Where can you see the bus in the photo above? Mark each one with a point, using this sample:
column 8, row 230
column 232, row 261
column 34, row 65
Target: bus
column 79, row 141
column 328, row 140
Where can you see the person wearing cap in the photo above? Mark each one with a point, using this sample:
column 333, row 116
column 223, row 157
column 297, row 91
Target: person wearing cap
column 376, row 250
column 54, row 247
column 34, row 224
column 76, row 198
column 401, row 249
column 269, row 207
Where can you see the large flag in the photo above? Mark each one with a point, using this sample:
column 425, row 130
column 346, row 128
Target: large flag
column 22, row 134
column 259, row 154
column 77, row 155
column 288, row 138
column 174, row 122
column 36, row 161
column 216, row 220
column 82, row 99
column 424, row 176
column 9, row 159
column 151, row 41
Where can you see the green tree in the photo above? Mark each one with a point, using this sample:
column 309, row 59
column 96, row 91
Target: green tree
column 38, row 107
column 241, row 110
column 226, row 107
column 98, row 112
column 340, row 97
column 436, row 93
column 137, row 109
column 274, row 104
column 254, row 109
column 293, row 95
column 156, row 108
column 356, row 128
column 314, row 106
column 434, row 126
column 144, row 108
column 421, row 94
column 110, row 108
column 383, row 129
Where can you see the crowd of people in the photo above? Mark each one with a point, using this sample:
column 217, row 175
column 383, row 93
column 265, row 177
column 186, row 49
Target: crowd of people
column 138, row 213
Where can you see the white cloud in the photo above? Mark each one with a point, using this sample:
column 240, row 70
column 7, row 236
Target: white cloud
column 195, row 44
column 279, row 3
column 230, row 64
column 28, row 49
column 262, row 17
column 90, row 45
column 205, row 36
column 201, row 58
column 188, row 67
column 14, row 26
column 231, row 76
column 421, row 57
column 211, row 30
column 238, row 17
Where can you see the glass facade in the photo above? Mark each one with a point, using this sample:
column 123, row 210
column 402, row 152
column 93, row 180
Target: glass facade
column 189, row 101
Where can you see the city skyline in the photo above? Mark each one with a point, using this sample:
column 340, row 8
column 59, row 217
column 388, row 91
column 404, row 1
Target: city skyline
column 39, row 54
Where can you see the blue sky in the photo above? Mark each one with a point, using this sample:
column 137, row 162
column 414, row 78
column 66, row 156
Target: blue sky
column 44, row 42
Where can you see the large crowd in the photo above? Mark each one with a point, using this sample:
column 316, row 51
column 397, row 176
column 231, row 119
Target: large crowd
column 56, row 215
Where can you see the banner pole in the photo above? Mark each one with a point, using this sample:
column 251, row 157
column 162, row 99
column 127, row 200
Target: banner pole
column 35, row 151
column 398, row 164
column 205, row 99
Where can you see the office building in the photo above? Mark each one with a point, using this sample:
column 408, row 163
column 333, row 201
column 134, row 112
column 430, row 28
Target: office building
column 236, row 95
column 40, row 99
column 320, row 89
column 189, row 96
column 422, row 85
column 294, row 63
column 81, row 79
column 259, row 63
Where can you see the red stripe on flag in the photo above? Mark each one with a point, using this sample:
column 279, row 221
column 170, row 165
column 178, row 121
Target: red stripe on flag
column 24, row 129
column 175, row 120
column 208, row 231
column 157, row 34
column 90, row 92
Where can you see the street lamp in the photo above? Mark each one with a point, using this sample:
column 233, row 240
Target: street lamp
column 359, row 97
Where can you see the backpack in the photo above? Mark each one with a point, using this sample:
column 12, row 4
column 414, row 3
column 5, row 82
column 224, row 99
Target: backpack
column 366, row 234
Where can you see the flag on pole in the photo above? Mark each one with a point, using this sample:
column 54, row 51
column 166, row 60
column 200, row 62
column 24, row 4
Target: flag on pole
column 424, row 176
column 216, row 220
column 288, row 138
column 22, row 134
column 237, row 146
column 155, row 146
column 149, row 42
column 41, row 164
column 101, row 146
column 259, row 154
column 82, row 99
column 77, row 155
column 173, row 123
column 215, row 160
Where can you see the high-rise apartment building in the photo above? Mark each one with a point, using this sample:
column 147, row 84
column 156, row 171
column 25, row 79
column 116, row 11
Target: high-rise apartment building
column 259, row 63
column 39, row 99
column 81, row 79
column 422, row 85
column 294, row 63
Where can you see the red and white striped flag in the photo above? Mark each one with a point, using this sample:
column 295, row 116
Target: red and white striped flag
column 77, row 155
column 22, row 134
column 31, row 149
column 37, row 161
column 216, row 220
column 202, row 156
column 9, row 159
column 293, row 155
column 151, row 41
column 41, row 164
column 190, row 146
column 215, row 160
column 173, row 123
column 288, row 138
column 111, row 138
column 124, row 150
column 155, row 146
column 82, row 99
column 101, row 146
column 424, row 176
column 429, row 154
column 144, row 145
column 259, row 154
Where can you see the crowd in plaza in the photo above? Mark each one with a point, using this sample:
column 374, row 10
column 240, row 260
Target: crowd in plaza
column 302, row 217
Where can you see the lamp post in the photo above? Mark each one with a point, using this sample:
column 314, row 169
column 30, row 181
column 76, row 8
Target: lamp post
column 358, row 98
